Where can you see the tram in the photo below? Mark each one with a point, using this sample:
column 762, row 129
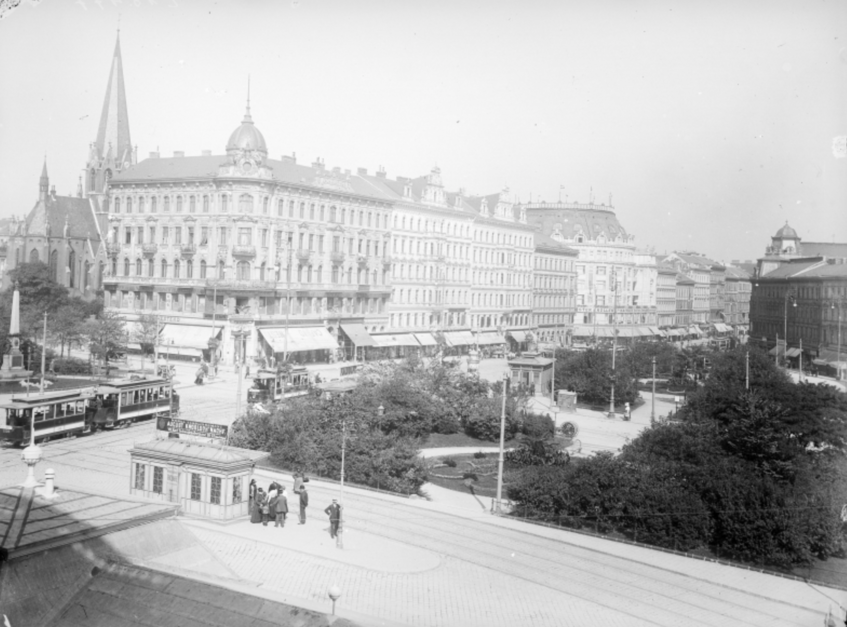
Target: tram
column 76, row 412
column 270, row 386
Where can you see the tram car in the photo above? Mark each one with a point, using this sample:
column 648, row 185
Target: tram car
column 270, row 386
column 119, row 403
column 67, row 413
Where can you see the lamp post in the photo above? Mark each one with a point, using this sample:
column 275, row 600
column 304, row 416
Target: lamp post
column 499, row 507
column 789, row 295
column 653, row 399
column 614, row 286
column 838, row 353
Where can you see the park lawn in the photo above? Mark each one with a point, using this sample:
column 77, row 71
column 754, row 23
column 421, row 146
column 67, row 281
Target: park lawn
column 485, row 469
column 441, row 440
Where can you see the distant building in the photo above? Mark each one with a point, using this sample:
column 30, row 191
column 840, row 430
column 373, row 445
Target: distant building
column 553, row 290
column 699, row 269
column 666, row 295
column 786, row 245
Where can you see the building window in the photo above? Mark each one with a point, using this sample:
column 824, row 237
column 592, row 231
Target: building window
column 167, row 204
column 117, row 205
column 150, row 267
column 164, row 268
column 236, row 490
column 179, row 204
column 204, row 235
column 265, row 202
column 158, row 479
column 126, row 267
column 138, row 267
column 243, row 270
column 176, row 268
column 189, row 269
column 192, row 204
column 153, row 204
column 215, row 496
column 202, row 269
column 223, row 203
column 222, row 236
column 245, row 203
column 244, row 236
column 139, row 476
column 312, row 211
column 333, row 214
column 195, row 486
column 205, row 204
column 129, row 205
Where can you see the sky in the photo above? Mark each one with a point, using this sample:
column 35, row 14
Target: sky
column 709, row 124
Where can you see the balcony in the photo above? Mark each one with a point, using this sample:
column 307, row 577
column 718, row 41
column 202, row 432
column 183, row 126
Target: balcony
column 112, row 249
column 243, row 250
column 362, row 260
column 148, row 250
column 337, row 258
column 303, row 255
column 386, row 261
column 237, row 284
column 188, row 250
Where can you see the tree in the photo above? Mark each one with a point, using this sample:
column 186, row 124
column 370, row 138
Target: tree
column 146, row 333
column 589, row 374
column 66, row 325
column 106, row 335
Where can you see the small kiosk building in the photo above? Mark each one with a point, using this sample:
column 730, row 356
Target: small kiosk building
column 204, row 479
column 533, row 371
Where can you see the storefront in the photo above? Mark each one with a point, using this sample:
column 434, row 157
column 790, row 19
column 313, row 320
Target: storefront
column 304, row 345
column 354, row 341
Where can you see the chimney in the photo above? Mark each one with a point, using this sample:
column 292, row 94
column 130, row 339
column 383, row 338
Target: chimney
column 289, row 159
column 362, row 171
column 318, row 165
column 154, row 155
column 336, row 170
column 179, row 153
column 347, row 173
column 205, row 153
column 381, row 172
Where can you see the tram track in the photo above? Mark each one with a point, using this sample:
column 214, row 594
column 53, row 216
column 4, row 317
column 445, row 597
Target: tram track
column 618, row 578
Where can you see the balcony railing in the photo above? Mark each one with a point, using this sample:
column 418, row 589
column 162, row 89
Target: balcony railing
column 362, row 260
column 148, row 250
column 188, row 250
column 304, row 255
column 337, row 258
column 243, row 250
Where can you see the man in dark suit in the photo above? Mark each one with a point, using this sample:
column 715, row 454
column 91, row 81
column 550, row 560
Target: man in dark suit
column 304, row 503
column 334, row 513
column 281, row 508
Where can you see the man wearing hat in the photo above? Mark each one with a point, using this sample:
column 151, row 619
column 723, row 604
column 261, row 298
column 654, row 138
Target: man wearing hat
column 334, row 513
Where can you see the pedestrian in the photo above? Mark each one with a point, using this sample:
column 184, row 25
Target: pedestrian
column 281, row 509
column 256, row 507
column 247, row 376
column 237, row 366
column 334, row 513
column 251, row 492
column 304, row 503
column 273, row 501
column 298, row 482
column 263, row 506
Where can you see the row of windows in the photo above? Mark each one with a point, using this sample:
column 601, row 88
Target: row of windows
column 431, row 297
column 246, row 204
column 422, row 225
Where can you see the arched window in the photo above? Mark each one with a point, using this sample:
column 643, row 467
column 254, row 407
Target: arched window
column 117, row 205
column 370, row 217
column 166, row 204
column 312, row 211
column 54, row 265
column 262, row 271
column 176, row 268
column 189, row 269
column 223, row 203
column 343, row 215
column 206, row 203
column 91, row 178
column 245, row 203
column 333, row 214
column 164, row 268
column 129, row 205
column 221, row 269
column 151, row 267
column 265, row 202
column 141, row 204
column 322, row 213
column 86, row 270
column 302, row 210
column 34, row 256
column 179, row 204
column 72, row 268
column 126, row 266
column 192, row 204
column 138, row 267
column 243, row 271
column 319, row 274
column 280, row 207
column 153, row 200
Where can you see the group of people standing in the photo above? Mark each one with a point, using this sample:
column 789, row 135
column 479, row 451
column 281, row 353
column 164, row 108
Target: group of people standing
column 274, row 504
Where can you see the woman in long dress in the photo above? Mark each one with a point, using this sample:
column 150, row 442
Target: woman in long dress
column 256, row 508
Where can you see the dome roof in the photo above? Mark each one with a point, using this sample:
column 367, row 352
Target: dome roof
column 569, row 223
column 247, row 137
column 786, row 232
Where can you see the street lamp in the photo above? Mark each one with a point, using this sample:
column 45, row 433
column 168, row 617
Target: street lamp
column 614, row 287
column 499, row 508
column 838, row 358
column 653, row 398
column 789, row 295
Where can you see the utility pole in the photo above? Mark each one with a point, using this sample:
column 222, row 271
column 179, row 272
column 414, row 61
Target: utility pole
column 747, row 370
column 614, row 338
column 339, row 542
column 287, row 298
column 653, row 399
column 43, row 353
column 499, row 508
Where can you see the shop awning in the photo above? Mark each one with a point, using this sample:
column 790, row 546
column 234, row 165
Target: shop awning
column 357, row 334
column 518, row 336
column 656, row 331
column 580, row 331
column 645, row 332
column 299, row 339
column 459, row 338
column 187, row 335
column 779, row 348
column 399, row 339
column 694, row 331
column 491, row 338
column 792, row 352
column 425, row 339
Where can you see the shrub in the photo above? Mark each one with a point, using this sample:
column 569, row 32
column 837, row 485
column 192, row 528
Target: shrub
column 538, row 426
column 470, row 475
column 71, row 365
column 449, row 461
column 479, row 455
column 483, row 422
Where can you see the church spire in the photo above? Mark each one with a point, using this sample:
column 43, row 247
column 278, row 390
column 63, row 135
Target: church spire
column 43, row 182
column 114, row 119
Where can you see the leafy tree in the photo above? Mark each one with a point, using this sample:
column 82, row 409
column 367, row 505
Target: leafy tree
column 589, row 374
column 146, row 333
column 106, row 335
column 639, row 359
column 67, row 325
column 39, row 292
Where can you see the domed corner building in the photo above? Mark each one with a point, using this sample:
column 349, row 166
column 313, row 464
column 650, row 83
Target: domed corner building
column 607, row 254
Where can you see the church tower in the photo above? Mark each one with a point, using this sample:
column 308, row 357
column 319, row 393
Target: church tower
column 112, row 152
column 44, row 183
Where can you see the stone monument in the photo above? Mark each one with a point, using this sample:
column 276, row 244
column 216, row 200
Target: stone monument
column 13, row 361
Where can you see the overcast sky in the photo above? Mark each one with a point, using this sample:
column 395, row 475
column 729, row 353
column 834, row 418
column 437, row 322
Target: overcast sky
column 710, row 123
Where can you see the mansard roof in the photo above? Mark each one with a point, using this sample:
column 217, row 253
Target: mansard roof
column 546, row 244
column 573, row 219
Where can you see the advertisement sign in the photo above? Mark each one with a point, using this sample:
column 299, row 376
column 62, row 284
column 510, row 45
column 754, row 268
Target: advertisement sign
column 189, row 427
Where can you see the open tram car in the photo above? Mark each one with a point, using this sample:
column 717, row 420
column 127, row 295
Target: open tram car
column 270, row 386
column 75, row 412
